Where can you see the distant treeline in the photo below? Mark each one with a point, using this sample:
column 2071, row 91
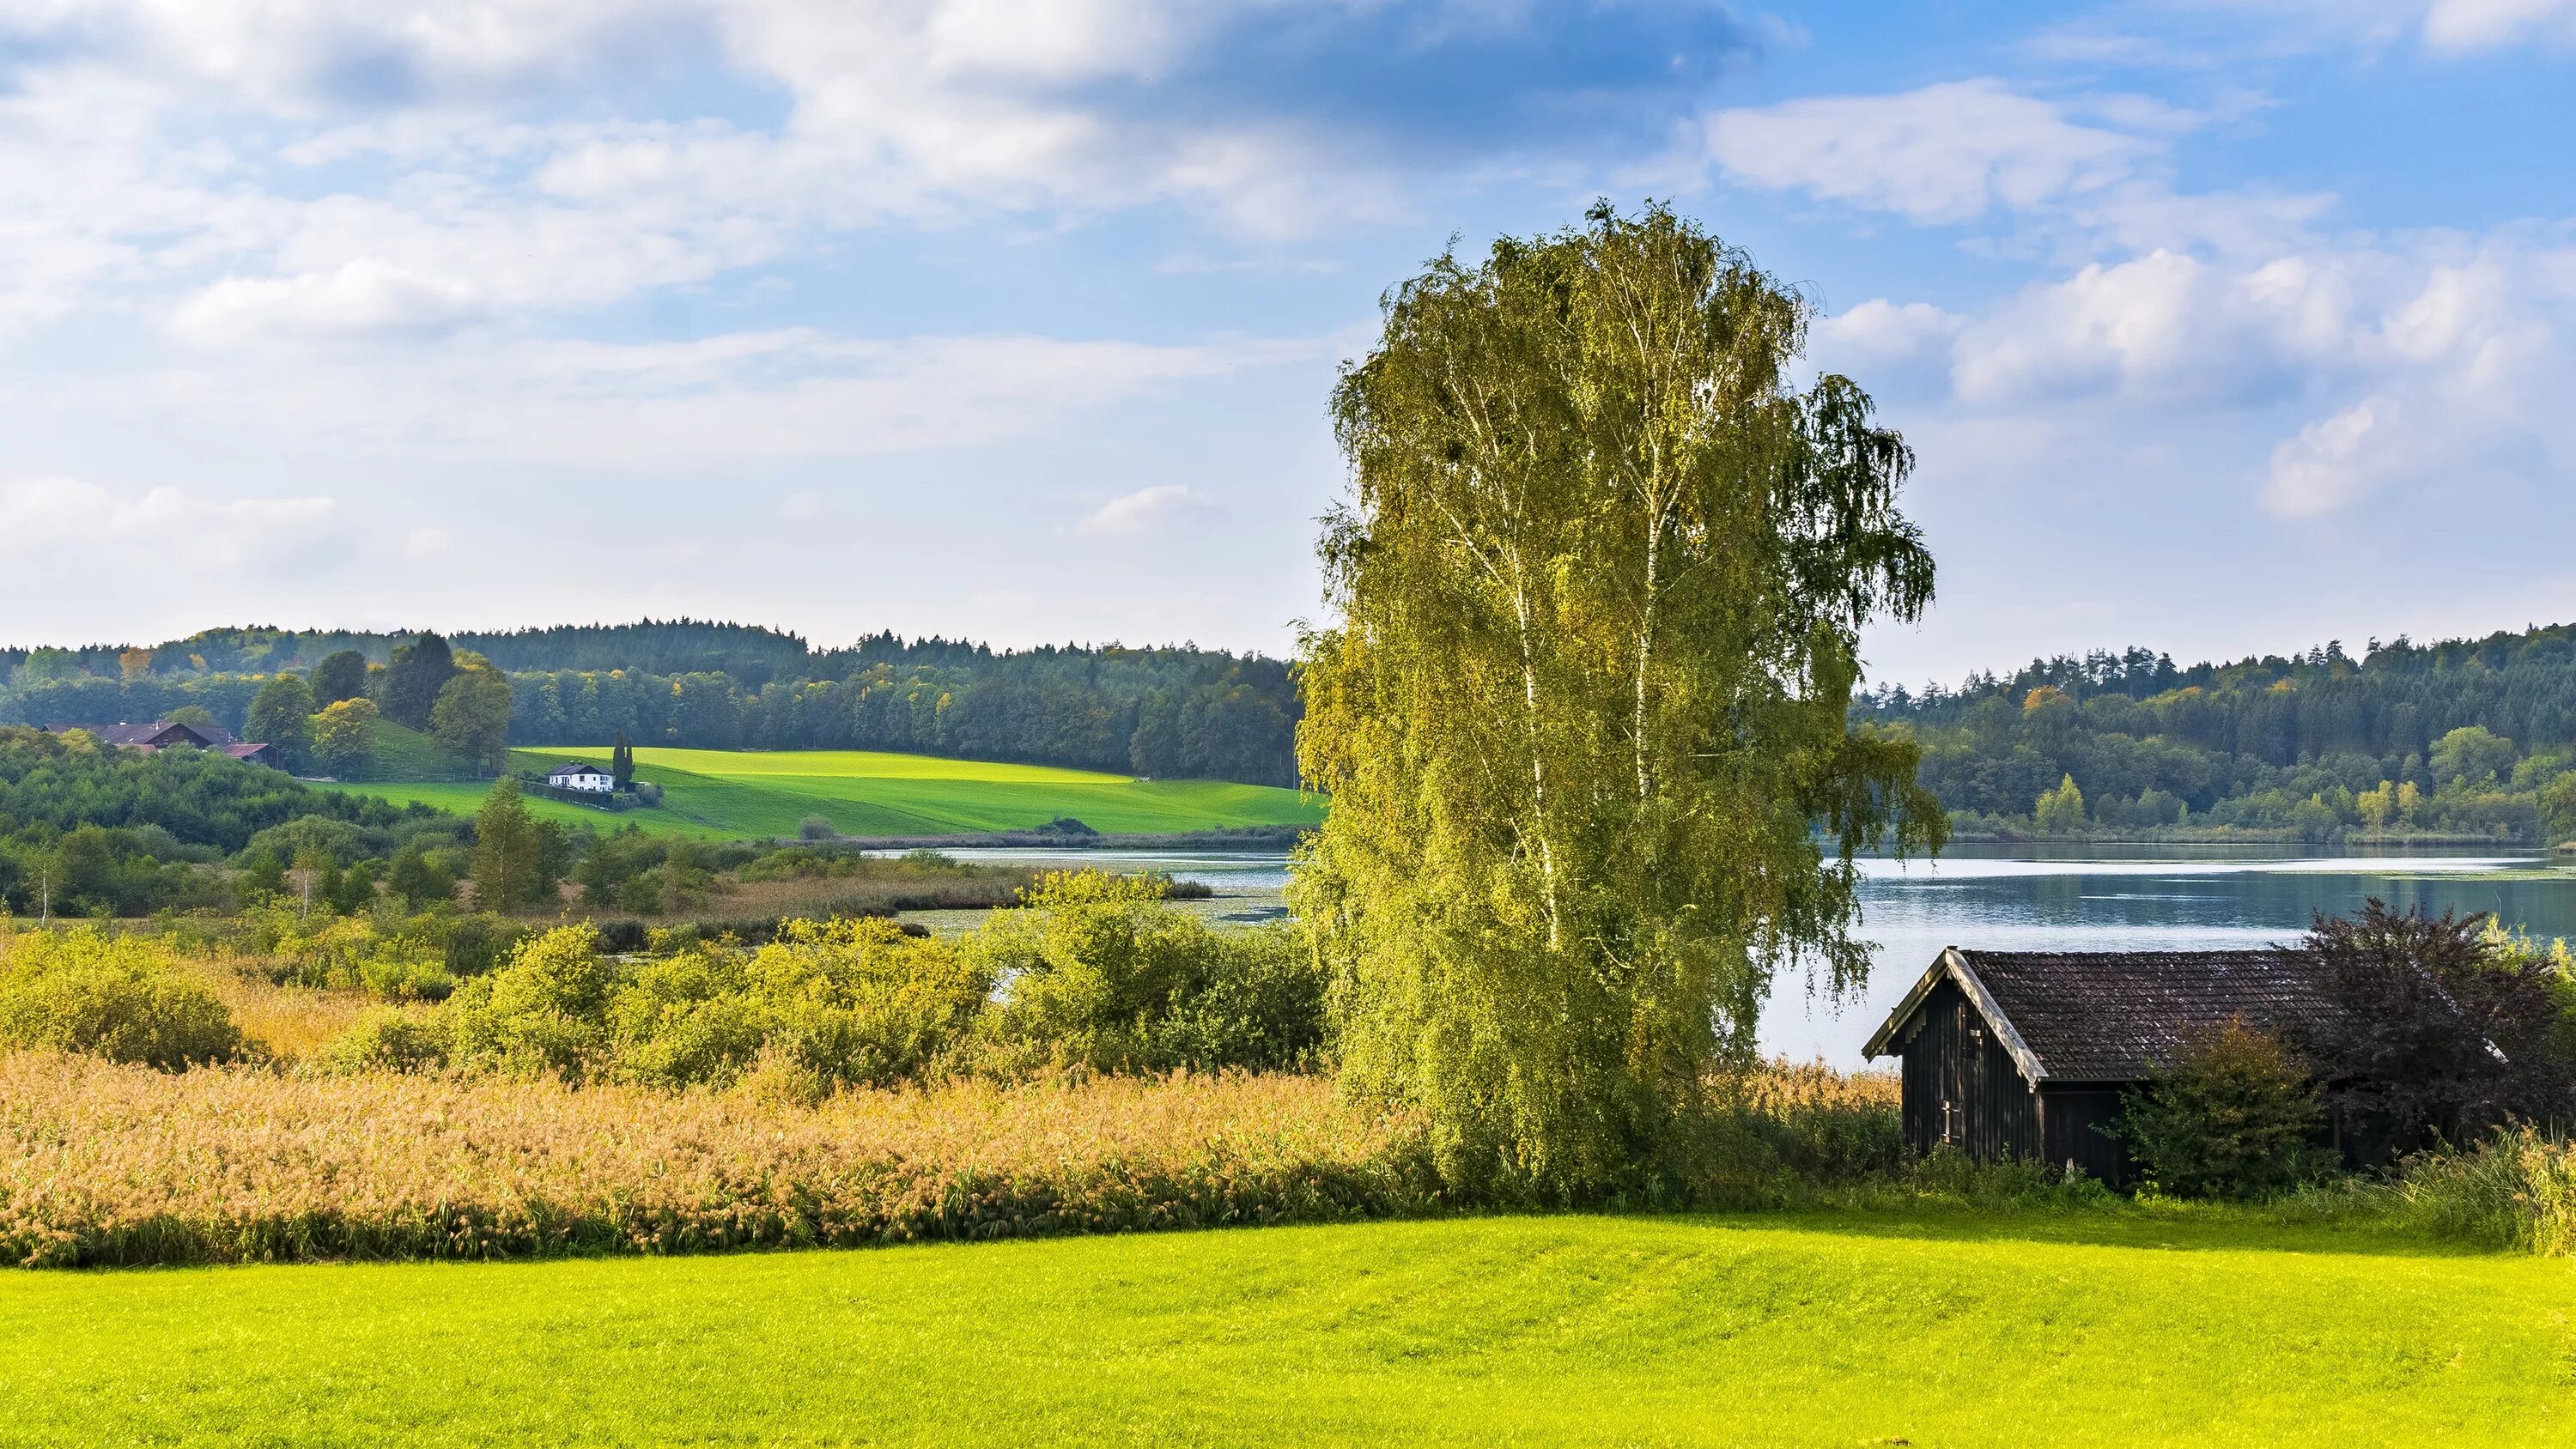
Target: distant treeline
column 1167, row 712
column 2465, row 737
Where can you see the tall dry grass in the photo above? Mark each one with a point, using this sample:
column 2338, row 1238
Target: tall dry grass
column 104, row 1164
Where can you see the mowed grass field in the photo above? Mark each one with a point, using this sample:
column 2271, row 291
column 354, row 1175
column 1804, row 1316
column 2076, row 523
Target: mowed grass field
column 751, row 794
column 1559, row 1330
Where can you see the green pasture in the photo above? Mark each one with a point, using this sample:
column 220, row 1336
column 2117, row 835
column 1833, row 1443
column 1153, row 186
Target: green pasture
column 741, row 794
column 1564, row 1330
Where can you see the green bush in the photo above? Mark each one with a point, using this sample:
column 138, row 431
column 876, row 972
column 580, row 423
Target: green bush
column 848, row 1002
column 2232, row 1117
column 121, row 998
column 386, row 1041
column 1098, row 974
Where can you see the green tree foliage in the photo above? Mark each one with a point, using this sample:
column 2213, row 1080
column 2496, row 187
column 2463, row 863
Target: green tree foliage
column 472, row 716
column 341, row 675
column 144, row 830
column 2472, row 754
column 281, row 715
column 508, row 860
column 414, row 676
column 1102, row 976
column 1172, row 713
column 621, row 763
column 344, row 737
column 2232, row 1117
column 1584, row 708
column 2060, row 810
column 119, row 997
column 2463, row 738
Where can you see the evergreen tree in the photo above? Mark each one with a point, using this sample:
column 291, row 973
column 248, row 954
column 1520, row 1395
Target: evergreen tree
column 621, row 762
column 418, row 671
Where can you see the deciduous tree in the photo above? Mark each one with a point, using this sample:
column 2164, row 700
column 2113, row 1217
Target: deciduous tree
column 1583, row 712
column 472, row 717
column 340, row 676
column 281, row 715
column 344, row 736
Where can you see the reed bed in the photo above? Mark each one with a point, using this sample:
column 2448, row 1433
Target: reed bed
column 102, row 1164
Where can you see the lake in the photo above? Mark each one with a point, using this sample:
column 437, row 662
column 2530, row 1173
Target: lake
column 2030, row 898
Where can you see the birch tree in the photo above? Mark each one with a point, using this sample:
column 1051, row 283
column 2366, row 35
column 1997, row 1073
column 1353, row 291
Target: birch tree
column 1582, row 713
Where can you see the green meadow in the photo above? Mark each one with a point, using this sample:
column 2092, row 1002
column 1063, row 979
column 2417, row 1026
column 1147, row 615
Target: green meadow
column 1817, row 1330
column 738, row 794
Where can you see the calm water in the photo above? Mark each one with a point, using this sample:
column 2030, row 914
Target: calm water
column 2098, row 898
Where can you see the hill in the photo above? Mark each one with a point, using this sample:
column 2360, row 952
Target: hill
column 765, row 793
column 1170, row 712
column 2466, row 740
column 1840, row 1330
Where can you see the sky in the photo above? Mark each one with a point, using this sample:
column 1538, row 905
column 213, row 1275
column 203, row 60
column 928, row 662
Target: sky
column 2220, row 328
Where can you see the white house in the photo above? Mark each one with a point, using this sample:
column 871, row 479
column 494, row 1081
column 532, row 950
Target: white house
column 574, row 775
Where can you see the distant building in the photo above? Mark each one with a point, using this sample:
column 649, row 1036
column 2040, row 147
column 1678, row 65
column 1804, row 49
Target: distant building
column 167, row 734
column 575, row 775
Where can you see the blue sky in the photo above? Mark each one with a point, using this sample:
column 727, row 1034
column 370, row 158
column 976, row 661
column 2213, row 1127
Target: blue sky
column 2218, row 327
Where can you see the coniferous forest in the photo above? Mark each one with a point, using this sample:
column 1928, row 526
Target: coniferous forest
column 2466, row 739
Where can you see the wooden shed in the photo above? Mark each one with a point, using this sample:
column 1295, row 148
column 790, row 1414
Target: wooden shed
column 2016, row 1054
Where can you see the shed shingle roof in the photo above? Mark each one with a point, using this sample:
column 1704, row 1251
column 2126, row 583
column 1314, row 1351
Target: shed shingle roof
column 2116, row 1016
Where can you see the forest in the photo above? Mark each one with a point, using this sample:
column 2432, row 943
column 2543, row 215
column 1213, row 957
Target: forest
column 2462, row 739
column 1166, row 713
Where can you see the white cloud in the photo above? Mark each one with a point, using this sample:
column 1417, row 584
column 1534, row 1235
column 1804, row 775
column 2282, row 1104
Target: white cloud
column 2482, row 24
column 66, row 519
column 428, row 543
column 1944, row 153
column 1883, row 332
column 365, row 296
column 1143, row 511
column 2332, row 461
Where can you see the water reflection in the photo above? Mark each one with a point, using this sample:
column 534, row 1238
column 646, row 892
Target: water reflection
column 2026, row 898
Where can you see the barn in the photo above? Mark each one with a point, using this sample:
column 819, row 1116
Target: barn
column 2020, row 1054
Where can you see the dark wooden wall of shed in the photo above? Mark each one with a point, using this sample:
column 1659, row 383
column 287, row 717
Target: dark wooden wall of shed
column 2070, row 1115
column 1961, row 1086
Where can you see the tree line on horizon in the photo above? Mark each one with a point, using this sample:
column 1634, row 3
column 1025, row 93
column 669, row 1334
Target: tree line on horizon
column 2471, row 737
column 1172, row 712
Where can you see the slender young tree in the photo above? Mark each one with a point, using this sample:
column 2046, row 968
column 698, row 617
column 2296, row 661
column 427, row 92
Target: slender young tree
column 505, row 861
column 1583, row 713
column 621, row 763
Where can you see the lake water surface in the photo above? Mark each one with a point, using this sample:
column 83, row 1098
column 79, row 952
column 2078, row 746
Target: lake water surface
column 2030, row 898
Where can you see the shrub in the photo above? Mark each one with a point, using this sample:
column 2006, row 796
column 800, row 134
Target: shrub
column 385, row 1041
column 1098, row 974
column 2514, row 1190
column 120, row 998
column 2441, row 1033
column 849, row 1002
column 864, row 1002
column 815, row 827
column 2231, row 1118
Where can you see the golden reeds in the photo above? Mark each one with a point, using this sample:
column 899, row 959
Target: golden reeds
column 106, row 1164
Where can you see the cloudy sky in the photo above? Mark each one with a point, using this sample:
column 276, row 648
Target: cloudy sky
column 2218, row 327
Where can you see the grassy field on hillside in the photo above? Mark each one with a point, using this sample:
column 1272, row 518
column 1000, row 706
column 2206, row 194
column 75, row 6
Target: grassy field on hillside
column 742, row 794
column 1829, row 1330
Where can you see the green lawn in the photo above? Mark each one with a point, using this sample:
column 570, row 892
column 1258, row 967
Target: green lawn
column 1570, row 1330
column 728, row 793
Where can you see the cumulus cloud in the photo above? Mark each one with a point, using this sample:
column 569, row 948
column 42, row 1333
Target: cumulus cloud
column 1143, row 511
